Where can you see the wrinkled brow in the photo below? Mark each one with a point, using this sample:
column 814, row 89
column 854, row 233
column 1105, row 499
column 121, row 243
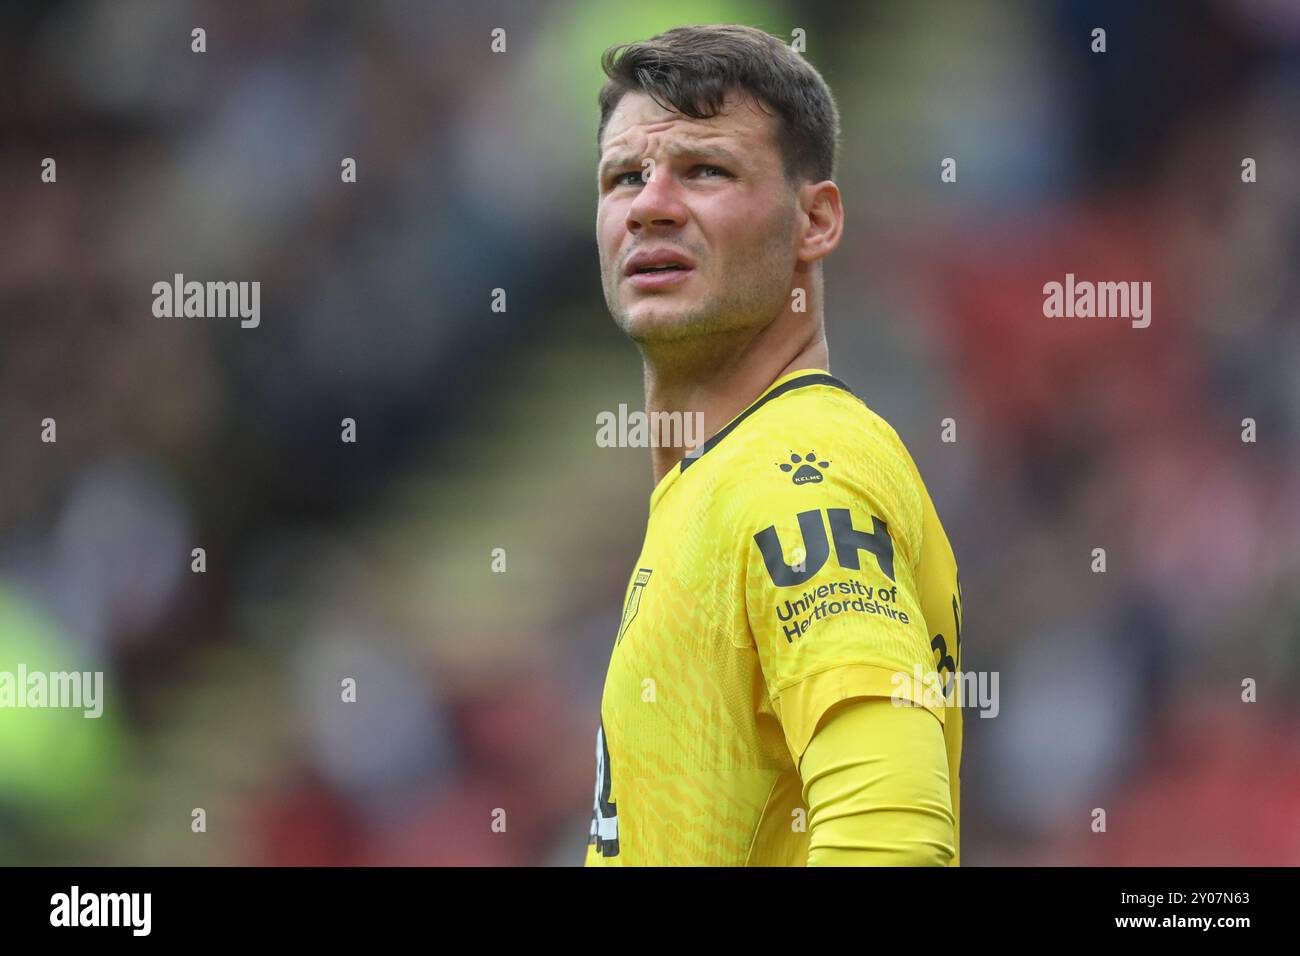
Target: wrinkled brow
column 676, row 150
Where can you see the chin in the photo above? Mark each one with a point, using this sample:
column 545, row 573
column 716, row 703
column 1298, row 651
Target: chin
column 660, row 323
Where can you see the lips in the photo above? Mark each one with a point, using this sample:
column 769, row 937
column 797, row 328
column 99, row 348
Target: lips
column 663, row 279
column 656, row 261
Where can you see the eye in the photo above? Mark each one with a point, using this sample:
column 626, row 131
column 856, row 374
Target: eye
column 716, row 169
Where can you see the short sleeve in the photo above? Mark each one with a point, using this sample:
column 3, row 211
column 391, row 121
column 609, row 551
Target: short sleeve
column 830, row 593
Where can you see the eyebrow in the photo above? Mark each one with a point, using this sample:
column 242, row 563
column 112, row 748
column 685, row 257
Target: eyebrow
column 692, row 151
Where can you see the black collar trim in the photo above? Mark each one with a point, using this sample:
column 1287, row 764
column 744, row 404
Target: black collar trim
column 803, row 381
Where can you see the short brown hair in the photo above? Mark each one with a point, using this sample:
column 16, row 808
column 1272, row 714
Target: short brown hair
column 693, row 68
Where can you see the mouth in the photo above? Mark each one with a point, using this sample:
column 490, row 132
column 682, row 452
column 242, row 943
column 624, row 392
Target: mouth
column 664, row 277
column 659, row 277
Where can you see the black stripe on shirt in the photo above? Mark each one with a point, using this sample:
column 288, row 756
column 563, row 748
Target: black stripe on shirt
column 803, row 381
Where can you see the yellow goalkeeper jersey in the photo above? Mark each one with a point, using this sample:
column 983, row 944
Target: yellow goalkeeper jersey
column 795, row 562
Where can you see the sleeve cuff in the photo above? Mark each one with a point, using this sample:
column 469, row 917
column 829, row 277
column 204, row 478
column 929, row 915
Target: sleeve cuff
column 801, row 705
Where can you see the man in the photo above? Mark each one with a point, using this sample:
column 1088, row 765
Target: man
column 769, row 699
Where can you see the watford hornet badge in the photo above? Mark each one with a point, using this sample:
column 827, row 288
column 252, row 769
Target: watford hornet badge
column 633, row 601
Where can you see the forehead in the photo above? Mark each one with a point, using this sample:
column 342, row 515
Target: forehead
column 638, row 122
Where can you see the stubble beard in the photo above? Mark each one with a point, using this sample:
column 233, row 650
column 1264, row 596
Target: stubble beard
column 674, row 332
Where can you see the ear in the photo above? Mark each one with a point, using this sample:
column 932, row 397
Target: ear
column 821, row 220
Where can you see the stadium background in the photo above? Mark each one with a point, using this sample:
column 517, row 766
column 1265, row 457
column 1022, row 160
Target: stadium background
column 476, row 429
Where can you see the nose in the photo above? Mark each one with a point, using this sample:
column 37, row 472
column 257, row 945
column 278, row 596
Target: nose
column 656, row 204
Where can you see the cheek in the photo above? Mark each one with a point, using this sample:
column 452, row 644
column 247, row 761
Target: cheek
column 746, row 241
column 607, row 236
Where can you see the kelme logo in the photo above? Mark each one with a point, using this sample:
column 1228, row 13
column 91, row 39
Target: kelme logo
column 816, row 548
column 805, row 471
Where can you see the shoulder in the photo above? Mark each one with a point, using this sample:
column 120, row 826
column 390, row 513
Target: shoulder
column 818, row 435
column 821, row 446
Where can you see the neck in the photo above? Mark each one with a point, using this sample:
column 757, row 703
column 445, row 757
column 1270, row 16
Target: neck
column 722, row 376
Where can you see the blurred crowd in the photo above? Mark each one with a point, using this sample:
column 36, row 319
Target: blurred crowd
column 471, row 738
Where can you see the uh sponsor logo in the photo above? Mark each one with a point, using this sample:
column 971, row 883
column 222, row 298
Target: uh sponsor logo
column 838, row 597
column 848, row 541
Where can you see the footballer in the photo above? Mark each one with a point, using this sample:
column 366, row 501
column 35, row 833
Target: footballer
column 760, row 706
